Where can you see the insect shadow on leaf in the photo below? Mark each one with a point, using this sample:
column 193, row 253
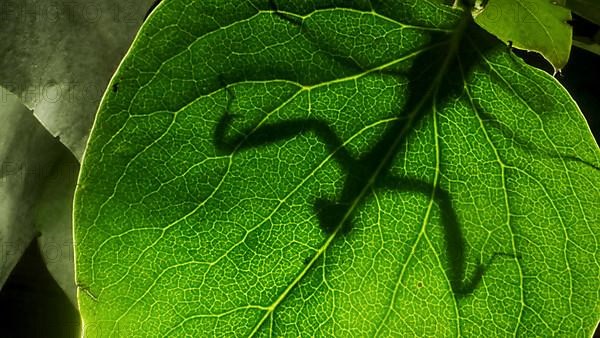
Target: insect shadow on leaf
column 371, row 171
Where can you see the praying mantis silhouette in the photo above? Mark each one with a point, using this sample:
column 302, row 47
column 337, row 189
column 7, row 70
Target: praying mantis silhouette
column 370, row 171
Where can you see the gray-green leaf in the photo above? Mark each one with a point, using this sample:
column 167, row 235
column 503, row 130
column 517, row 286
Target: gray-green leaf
column 27, row 154
column 53, row 221
column 57, row 56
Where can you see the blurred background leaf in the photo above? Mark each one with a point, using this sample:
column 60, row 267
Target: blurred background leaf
column 27, row 152
column 57, row 56
column 54, row 225
column 588, row 9
column 532, row 25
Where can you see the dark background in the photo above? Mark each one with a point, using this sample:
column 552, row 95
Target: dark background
column 33, row 305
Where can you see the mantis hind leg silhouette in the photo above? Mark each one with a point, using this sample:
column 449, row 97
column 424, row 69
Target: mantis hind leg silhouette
column 455, row 243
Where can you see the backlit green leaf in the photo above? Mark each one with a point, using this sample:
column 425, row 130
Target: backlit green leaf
column 322, row 168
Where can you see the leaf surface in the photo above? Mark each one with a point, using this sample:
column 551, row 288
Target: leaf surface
column 335, row 168
column 538, row 25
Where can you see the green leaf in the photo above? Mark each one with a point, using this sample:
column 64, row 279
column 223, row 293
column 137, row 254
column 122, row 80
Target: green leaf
column 57, row 56
column 335, row 168
column 589, row 9
column 533, row 25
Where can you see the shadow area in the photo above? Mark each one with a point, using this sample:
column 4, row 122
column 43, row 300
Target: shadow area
column 435, row 79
